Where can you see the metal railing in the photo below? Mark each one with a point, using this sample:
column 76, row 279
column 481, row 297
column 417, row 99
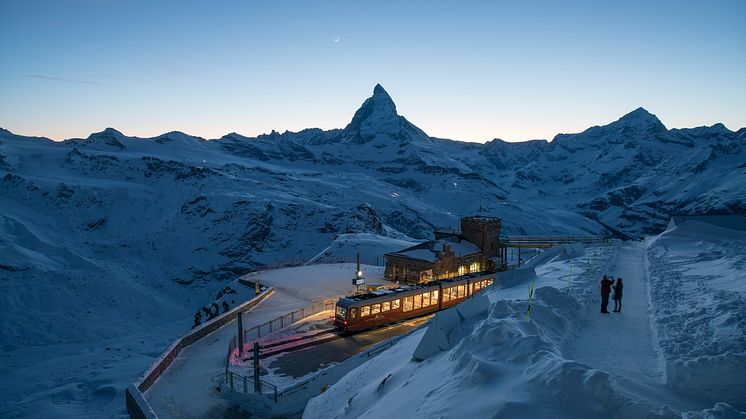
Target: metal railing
column 243, row 384
column 553, row 239
column 286, row 320
column 240, row 383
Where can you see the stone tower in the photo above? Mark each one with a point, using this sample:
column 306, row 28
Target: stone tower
column 484, row 232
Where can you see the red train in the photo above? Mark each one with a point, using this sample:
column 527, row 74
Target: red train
column 365, row 311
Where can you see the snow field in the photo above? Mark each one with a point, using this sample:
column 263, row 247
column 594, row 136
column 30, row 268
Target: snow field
column 699, row 300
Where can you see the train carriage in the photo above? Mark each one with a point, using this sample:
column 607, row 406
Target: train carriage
column 365, row 311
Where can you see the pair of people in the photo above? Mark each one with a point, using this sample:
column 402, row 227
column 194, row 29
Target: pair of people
column 607, row 284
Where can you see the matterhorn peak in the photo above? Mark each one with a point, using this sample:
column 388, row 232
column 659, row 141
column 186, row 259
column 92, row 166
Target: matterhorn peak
column 379, row 106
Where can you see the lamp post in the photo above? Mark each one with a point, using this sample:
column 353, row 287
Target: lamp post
column 358, row 279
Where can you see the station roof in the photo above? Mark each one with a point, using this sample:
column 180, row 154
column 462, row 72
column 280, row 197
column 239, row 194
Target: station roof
column 429, row 250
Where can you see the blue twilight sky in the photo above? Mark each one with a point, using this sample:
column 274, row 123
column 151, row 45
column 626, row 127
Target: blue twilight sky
column 474, row 71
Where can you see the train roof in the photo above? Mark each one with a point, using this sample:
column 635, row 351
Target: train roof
column 385, row 294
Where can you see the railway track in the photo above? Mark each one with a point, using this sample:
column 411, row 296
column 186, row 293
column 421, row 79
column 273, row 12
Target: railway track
column 293, row 343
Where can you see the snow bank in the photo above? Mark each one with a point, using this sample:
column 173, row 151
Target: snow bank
column 699, row 306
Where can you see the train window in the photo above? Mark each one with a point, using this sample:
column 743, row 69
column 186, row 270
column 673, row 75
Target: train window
column 446, row 294
column 375, row 309
column 434, row 298
column 364, row 311
column 461, row 291
column 395, row 304
column 385, row 306
column 353, row 311
column 425, row 299
column 477, row 285
column 417, row 301
column 408, row 303
column 341, row 312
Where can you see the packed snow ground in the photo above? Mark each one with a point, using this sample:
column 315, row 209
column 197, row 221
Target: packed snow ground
column 567, row 361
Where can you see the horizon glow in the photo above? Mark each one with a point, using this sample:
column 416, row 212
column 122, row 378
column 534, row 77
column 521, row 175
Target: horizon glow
column 471, row 71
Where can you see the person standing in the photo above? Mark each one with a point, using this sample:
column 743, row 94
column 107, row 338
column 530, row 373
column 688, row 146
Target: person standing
column 605, row 291
column 618, row 295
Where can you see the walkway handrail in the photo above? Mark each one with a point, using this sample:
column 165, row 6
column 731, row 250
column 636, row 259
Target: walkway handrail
column 553, row 239
column 137, row 405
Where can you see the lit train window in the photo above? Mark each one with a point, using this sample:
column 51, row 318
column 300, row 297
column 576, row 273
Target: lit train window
column 408, row 303
column 385, row 306
column 461, row 291
column 434, row 298
column 375, row 309
column 425, row 299
column 352, row 313
column 364, row 311
column 342, row 312
column 417, row 301
column 395, row 304
column 446, row 294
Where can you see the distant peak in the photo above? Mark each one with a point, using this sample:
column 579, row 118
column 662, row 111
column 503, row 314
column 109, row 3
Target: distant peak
column 109, row 132
column 641, row 118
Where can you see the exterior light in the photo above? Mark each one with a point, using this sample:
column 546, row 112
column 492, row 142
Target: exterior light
column 359, row 274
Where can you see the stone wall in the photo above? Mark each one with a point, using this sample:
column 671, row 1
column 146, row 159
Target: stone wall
column 405, row 269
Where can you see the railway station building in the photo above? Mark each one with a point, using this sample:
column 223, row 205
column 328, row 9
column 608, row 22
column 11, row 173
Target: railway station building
column 473, row 249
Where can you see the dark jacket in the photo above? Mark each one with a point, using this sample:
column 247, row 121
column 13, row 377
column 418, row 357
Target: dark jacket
column 606, row 286
column 618, row 290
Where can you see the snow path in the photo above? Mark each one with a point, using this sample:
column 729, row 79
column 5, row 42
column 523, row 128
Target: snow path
column 188, row 388
column 622, row 343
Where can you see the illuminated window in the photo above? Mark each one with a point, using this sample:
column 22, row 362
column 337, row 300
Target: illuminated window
column 475, row 267
column 408, row 303
column 425, row 299
column 446, row 294
column 353, row 311
column 461, row 291
column 434, row 298
column 385, row 306
column 477, row 286
column 375, row 309
column 417, row 301
column 462, row 270
column 341, row 312
column 364, row 311
column 395, row 304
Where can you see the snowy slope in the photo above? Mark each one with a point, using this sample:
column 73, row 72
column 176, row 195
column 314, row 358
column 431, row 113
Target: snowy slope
column 113, row 236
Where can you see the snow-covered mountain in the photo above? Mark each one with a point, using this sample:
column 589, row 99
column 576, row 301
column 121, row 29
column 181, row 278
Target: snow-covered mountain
column 112, row 235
